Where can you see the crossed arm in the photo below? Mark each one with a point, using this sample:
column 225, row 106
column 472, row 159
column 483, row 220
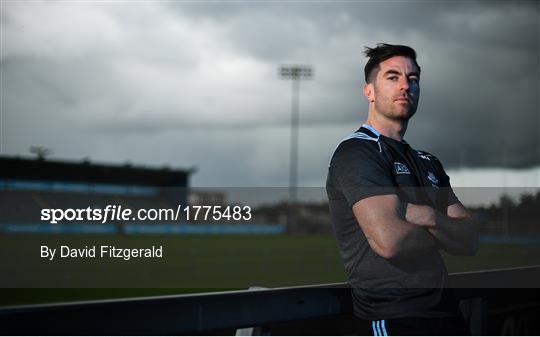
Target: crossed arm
column 395, row 229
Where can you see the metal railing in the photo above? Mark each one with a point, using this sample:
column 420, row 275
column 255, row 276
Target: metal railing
column 491, row 301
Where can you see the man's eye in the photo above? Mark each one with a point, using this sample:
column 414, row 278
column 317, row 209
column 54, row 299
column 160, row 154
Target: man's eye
column 413, row 79
column 392, row 78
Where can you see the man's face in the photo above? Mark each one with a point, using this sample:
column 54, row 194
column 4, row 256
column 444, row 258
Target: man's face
column 396, row 88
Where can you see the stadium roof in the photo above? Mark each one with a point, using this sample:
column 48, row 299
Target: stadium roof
column 84, row 171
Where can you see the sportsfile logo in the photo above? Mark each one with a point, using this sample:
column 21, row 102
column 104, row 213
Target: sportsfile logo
column 401, row 168
column 123, row 214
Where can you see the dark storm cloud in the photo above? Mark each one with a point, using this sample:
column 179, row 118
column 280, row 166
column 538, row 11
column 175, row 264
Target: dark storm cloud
column 480, row 60
column 115, row 81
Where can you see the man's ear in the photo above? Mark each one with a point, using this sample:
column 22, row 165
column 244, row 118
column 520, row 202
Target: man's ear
column 368, row 92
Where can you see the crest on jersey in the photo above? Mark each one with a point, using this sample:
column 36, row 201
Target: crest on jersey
column 432, row 178
column 401, row 168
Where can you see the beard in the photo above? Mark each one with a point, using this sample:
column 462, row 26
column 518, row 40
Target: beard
column 397, row 113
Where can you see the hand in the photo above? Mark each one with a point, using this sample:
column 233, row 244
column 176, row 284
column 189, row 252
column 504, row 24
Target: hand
column 421, row 215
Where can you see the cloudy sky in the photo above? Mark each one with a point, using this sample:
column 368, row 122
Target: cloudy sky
column 195, row 84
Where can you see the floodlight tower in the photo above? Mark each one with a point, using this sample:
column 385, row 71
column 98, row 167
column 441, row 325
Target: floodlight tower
column 296, row 73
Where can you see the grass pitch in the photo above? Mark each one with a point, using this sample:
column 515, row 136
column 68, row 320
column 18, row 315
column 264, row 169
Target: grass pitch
column 192, row 264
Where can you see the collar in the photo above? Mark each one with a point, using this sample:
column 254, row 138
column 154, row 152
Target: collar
column 377, row 133
column 371, row 128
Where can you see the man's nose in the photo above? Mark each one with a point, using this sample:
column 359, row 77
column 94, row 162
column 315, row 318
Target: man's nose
column 404, row 84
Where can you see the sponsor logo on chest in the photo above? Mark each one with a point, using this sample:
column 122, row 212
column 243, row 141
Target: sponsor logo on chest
column 401, row 168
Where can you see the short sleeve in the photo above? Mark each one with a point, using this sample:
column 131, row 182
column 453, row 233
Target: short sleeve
column 452, row 198
column 359, row 170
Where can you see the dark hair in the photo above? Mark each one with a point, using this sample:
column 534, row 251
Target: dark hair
column 383, row 52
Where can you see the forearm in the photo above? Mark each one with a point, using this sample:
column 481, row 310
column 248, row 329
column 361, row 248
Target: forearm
column 405, row 240
column 388, row 233
column 417, row 240
column 457, row 236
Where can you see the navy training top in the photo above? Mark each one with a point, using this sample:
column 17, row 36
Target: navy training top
column 367, row 164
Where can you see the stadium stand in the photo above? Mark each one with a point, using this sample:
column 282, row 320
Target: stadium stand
column 29, row 185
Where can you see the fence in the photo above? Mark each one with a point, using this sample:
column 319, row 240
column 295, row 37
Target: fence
column 493, row 302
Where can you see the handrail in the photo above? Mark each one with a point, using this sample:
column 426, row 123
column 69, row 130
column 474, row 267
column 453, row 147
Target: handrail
column 196, row 313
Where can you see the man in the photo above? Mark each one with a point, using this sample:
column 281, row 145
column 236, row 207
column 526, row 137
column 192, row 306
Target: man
column 393, row 209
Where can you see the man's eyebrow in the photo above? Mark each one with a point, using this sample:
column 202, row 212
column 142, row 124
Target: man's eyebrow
column 396, row 72
column 392, row 71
